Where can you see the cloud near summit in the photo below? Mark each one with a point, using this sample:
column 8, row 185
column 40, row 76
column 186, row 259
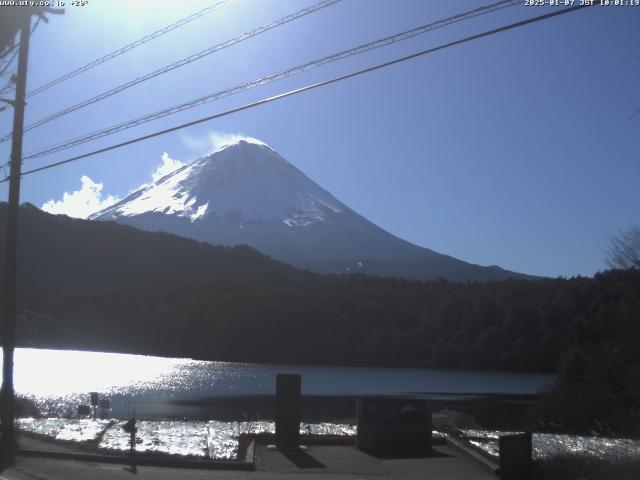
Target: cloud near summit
column 167, row 166
column 90, row 197
column 214, row 141
column 83, row 202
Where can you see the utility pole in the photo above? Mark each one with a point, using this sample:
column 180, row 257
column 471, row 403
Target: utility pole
column 7, row 441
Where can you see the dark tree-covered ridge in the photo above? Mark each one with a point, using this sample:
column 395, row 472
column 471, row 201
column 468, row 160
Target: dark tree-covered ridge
column 353, row 320
column 102, row 286
column 61, row 253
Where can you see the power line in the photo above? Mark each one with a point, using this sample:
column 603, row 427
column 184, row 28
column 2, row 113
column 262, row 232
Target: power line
column 7, row 87
column 128, row 47
column 8, row 50
column 179, row 63
column 11, row 49
column 310, row 87
column 271, row 78
column 4, row 71
column 15, row 49
column 9, row 72
column 10, row 84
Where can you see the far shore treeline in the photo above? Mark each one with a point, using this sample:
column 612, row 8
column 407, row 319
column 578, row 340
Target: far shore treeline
column 102, row 286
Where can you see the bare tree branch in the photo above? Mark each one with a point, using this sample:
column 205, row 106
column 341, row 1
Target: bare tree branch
column 624, row 249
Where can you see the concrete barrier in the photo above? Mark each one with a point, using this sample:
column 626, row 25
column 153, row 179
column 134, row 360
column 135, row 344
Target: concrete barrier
column 393, row 425
column 288, row 400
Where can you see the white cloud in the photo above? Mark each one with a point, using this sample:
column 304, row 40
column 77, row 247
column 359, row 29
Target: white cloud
column 213, row 141
column 200, row 145
column 90, row 199
column 167, row 166
column 222, row 139
column 81, row 203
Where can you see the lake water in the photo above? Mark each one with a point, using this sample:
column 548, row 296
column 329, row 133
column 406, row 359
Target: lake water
column 59, row 380
column 161, row 387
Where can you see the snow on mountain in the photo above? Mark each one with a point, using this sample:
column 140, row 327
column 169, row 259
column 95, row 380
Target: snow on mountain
column 243, row 182
column 246, row 193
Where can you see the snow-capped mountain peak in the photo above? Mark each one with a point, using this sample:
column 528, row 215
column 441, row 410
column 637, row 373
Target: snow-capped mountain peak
column 246, row 193
column 243, row 181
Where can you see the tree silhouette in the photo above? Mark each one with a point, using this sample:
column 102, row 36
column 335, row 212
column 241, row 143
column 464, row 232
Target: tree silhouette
column 624, row 249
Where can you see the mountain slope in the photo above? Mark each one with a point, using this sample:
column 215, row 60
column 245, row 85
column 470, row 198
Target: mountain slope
column 245, row 193
column 57, row 253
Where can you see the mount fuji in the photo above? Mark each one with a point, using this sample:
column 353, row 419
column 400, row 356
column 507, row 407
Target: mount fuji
column 246, row 193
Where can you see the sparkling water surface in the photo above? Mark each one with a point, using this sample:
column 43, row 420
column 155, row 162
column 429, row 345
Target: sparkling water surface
column 219, row 440
column 59, row 380
column 551, row 444
column 208, row 439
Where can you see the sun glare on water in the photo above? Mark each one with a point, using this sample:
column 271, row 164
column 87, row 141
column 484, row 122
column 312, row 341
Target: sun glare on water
column 64, row 372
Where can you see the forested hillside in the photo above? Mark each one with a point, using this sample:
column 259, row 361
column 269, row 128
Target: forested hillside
column 59, row 253
column 356, row 320
column 102, row 286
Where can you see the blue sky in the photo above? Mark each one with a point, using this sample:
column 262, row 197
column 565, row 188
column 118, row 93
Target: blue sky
column 520, row 150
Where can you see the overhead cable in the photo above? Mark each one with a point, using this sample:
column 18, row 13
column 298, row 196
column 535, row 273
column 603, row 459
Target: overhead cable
column 178, row 64
column 270, row 78
column 129, row 47
column 309, row 87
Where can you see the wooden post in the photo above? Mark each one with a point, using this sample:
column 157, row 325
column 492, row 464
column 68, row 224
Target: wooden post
column 7, row 442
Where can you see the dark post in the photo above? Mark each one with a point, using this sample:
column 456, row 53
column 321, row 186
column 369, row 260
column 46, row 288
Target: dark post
column 83, row 410
column 515, row 456
column 7, row 442
column 94, row 402
column 288, row 399
column 131, row 429
column 104, row 405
